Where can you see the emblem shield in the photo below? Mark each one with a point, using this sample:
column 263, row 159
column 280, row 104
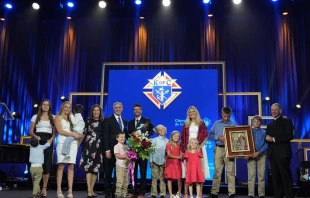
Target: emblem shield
column 162, row 93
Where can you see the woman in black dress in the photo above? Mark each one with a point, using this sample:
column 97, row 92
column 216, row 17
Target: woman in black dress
column 42, row 128
column 92, row 159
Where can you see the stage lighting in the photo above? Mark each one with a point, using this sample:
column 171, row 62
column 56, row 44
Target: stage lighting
column 35, row 6
column 206, row 1
column 16, row 115
column 266, row 100
column 102, row 4
column 2, row 19
column 26, row 170
column 138, row 2
column 69, row 18
column 63, row 98
column 70, row 4
column 8, row 6
column 298, row 106
column 274, row 0
column 237, row 2
column 35, row 106
column 210, row 15
column 285, row 13
column 166, row 2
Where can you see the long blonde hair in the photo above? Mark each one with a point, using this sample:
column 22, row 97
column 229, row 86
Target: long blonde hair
column 61, row 111
column 172, row 143
column 188, row 119
column 189, row 143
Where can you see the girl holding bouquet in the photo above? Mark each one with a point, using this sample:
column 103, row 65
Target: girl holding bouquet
column 173, row 170
column 194, row 173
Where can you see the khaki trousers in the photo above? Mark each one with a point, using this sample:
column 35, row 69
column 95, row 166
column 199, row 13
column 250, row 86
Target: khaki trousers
column 122, row 181
column 36, row 175
column 260, row 162
column 220, row 160
column 158, row 171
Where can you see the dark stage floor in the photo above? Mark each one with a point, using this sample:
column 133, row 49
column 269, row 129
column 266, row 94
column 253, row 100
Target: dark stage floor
column 52, row 194
column 22, row 189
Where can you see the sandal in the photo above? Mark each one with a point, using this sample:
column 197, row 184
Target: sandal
column 42, row 194
column 185, row 195
column 59, row 194
column 178, row 195
column 70, row 194
column 89, row 194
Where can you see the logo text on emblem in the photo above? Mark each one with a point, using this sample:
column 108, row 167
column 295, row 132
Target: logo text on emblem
column 162, row 90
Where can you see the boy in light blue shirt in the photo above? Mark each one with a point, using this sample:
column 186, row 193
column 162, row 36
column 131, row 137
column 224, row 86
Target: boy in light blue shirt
column 36, row 159
column 220, row 158
column 258, row 159
column 158, row 161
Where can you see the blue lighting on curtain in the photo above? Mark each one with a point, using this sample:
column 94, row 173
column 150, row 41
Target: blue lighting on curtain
column 60, row 57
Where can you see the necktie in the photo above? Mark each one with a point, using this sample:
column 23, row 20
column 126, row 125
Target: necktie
column 137, row 121
column 120, row 123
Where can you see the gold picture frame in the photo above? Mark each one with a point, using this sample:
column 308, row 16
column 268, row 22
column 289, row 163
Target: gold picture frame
column 25, row 140
column 239, row 141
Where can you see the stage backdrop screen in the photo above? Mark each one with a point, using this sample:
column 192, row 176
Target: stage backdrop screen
column 165, row 96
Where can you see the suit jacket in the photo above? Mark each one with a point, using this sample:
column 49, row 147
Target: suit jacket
column 110, row 130
column 282, row 131
column 143, row 120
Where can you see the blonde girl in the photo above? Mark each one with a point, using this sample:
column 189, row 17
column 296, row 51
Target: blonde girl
column 194, row 173
column 173, row 170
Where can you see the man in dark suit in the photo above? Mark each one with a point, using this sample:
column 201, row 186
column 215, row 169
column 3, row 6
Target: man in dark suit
column 144, row 125
column 112, row 126
column 279, row 134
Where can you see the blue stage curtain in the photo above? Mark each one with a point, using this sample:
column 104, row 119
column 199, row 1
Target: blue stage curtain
column 51, row 58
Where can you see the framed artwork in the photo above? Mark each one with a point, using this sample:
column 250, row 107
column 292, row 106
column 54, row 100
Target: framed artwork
column 239, row 141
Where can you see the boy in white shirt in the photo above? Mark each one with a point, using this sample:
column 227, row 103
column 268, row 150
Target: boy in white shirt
column 36, row 158
column 122, row 179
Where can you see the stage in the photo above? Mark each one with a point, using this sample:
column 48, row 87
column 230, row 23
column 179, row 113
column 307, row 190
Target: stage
column 76, row 194
column 22, row 189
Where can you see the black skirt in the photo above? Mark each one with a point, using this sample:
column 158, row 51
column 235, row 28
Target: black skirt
column 48, row 153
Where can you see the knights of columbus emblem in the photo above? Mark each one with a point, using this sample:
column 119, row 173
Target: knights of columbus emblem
column 162, row 90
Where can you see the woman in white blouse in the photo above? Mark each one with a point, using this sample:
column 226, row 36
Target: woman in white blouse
column 64, row 128
column 42, row 128
column 194, row 127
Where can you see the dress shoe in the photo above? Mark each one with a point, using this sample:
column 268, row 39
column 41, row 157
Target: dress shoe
column 163, row 196
column 213, row 196
column 232, row 196
column 251, row 196
column 261, row 196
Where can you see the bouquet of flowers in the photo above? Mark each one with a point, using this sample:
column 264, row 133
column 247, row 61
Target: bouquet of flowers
column 141, row 144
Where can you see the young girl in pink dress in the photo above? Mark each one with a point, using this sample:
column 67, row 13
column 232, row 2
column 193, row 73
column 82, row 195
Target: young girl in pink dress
column 194, row 173
column 173, row 170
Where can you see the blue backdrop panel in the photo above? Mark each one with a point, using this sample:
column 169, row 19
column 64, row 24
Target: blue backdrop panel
column 198, row 88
